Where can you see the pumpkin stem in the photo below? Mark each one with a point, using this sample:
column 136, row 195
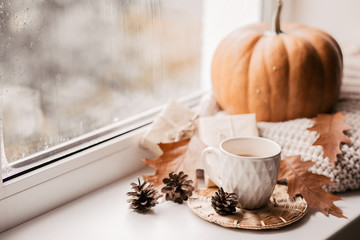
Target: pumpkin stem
column 276, row 18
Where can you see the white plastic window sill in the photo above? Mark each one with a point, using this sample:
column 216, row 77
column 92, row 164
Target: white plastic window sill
column 49, row 187
column 104, row 214
column 46, row 188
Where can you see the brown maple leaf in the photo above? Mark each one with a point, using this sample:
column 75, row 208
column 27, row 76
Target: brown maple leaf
column 179, row 156
column 309, row 185
column 331, row 128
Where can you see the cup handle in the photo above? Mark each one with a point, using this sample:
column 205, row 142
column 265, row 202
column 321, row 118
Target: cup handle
column 207, row 167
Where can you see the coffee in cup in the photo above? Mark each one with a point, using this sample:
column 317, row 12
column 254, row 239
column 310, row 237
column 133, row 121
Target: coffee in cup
column 246, row 166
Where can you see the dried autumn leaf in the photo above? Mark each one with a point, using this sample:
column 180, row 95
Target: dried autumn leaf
column 309, row 185
column 331, row 128
column 184, row 156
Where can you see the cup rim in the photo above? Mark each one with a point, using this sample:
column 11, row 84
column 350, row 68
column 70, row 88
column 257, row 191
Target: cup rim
column 246, row 157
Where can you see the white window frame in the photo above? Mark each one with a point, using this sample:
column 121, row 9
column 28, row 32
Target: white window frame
column 50, row 186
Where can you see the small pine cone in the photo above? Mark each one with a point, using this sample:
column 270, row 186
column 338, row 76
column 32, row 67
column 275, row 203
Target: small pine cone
column 144, row 196
column 224, row 203
column 177, row 188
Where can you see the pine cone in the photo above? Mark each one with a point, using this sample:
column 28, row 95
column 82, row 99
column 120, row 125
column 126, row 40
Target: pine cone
column 223, row 202
column 144, row 196
column 177, row 188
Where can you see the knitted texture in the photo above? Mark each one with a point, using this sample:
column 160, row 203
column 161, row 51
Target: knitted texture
column 295, row 139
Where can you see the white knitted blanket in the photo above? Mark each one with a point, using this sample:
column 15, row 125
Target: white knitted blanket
column 295, row 139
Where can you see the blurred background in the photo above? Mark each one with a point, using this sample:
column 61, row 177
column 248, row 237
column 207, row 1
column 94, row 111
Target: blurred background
column 340, row 18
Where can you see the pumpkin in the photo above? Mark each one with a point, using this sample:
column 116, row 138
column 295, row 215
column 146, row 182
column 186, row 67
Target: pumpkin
column 278, row 73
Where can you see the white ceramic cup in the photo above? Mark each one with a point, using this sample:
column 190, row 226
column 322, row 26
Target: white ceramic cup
column 246, row 166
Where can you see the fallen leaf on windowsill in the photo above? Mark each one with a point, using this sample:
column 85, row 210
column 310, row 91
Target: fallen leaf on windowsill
column 179, row 156
column 309, row 185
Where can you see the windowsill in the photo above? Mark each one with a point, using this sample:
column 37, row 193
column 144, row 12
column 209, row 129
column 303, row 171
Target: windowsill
column 104, row 214
column 56, row 184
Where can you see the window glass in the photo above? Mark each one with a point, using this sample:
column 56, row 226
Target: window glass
column 68, row 67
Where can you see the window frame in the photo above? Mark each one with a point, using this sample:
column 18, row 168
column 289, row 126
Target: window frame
column 116, row 157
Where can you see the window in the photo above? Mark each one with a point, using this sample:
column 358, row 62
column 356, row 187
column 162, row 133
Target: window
column 71, row 67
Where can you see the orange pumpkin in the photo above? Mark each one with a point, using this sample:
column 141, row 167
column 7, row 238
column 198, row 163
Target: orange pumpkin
column 279, row 75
